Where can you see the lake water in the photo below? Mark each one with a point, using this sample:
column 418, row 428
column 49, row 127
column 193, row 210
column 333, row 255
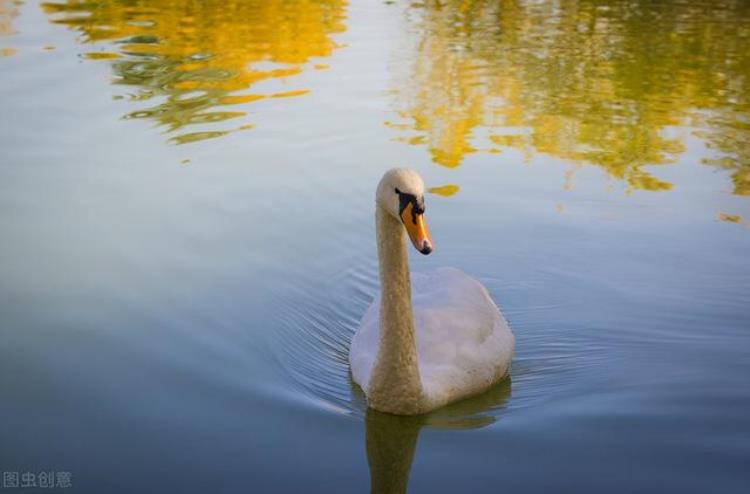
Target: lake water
column 187, row 219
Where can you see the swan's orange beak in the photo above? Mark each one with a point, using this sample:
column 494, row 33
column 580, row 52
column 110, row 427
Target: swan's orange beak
column 417, row 229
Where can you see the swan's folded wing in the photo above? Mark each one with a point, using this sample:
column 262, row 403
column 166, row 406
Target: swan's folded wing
column 364, row 347
column 463, row 341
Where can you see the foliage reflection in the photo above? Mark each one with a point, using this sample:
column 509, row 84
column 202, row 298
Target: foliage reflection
column 8, row 12
column 613, row 84
column 198, row 58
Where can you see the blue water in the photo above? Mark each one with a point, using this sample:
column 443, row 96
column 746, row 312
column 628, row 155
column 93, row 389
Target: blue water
column 175, row 315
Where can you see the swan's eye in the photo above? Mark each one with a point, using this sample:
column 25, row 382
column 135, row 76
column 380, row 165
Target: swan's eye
column 397, row 191
column 405, row 199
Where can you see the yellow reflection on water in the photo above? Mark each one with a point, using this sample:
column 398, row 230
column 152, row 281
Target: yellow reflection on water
column 731, row 218
column 8, row 11
column 196, row 60
column 619, row 85
column 446, row 190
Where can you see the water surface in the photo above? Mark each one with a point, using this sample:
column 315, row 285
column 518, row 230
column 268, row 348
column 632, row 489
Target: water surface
column 186, row 208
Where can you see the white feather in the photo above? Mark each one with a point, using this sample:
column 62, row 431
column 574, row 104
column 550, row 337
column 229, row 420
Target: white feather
column 464, row 344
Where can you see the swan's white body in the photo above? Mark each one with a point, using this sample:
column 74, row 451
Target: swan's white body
column 430, row 339
column 464, row 344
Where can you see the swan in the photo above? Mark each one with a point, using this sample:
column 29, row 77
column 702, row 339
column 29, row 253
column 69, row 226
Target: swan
column 429, row 339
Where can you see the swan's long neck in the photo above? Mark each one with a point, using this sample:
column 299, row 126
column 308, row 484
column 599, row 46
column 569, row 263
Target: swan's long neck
column 395, row 385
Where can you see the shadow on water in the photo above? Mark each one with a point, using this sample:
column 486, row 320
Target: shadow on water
column 392, row 439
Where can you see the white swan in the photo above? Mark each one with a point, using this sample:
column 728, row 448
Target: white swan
column 455, row 343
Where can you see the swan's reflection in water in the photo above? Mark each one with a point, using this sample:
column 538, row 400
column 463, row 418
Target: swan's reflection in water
column 392, row 439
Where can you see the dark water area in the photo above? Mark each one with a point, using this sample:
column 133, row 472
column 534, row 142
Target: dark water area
column 187, row 218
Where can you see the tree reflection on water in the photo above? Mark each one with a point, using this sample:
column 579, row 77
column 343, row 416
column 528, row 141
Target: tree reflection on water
column 198, row 59
column 601, row 83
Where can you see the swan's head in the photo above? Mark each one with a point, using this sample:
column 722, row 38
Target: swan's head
column 401, row 193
